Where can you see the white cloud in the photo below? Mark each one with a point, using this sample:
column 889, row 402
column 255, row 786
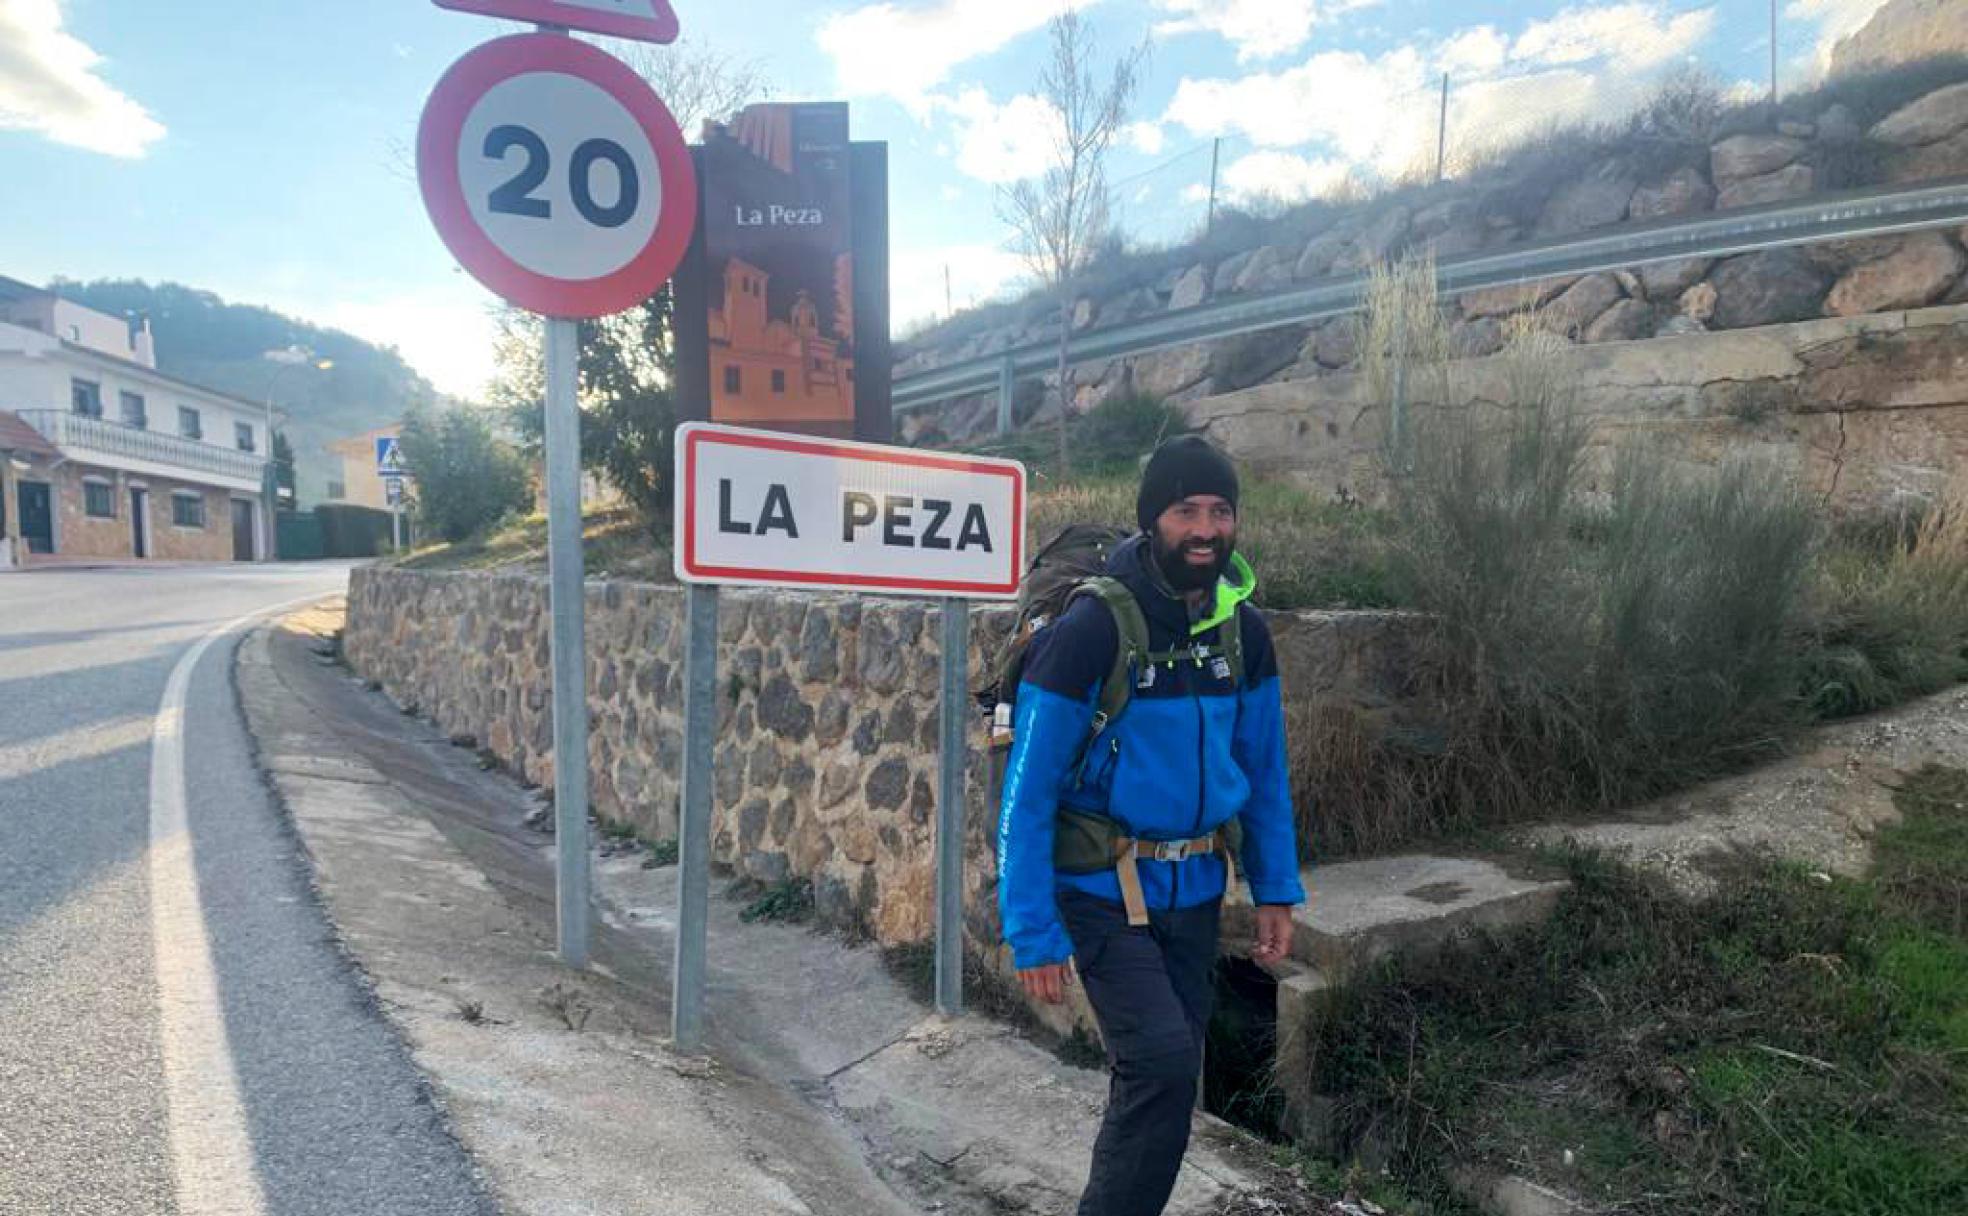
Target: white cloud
column 1835, row 19
column 1263, row 177
column 1380, row 114
column 887, row 49
column 1338, row 98
column 1000, row 143
column 1639, row 35
column 976, row 274
column 1260, row 29
column 1147, row 138
column 48, row 83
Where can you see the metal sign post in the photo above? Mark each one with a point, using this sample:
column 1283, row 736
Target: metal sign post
column 560, row 181
column 950, row 806
column 569, row 643
column 694, row 832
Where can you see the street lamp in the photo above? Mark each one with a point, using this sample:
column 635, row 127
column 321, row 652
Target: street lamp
column 288, row 358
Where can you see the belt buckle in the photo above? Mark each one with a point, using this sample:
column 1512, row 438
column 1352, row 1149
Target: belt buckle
column 1172, row 850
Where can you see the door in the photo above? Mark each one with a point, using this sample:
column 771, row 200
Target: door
column 242, row 530
column 140, row 523
column 37, row 516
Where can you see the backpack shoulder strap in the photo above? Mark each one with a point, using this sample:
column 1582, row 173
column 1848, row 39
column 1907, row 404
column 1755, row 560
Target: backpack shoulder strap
column 1230, row 636
column 1130, row 647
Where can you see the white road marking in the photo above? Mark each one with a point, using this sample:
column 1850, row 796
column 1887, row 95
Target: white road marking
column 211, row 1149
column 82, row 743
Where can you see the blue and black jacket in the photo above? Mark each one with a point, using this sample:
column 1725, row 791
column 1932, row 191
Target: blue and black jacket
column 1191, row 750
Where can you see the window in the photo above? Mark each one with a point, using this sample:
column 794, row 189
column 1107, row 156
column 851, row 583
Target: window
column 337, row 490
column 732, row 381
column 99, row 499
column 778, row 379
column 133, row 411
column 187, row 510
column 242, row 434
column 188, row 424
column 87, row 397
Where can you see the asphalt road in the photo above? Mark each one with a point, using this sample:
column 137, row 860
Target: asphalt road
column 178, row 1034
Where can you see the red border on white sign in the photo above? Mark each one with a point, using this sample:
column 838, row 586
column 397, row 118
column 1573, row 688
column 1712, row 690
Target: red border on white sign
column 443, row 126
column 659, row 27
column 694, row 435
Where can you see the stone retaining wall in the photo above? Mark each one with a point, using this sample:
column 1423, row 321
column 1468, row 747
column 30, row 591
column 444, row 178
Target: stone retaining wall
column 827, row 725
column 1870, row 411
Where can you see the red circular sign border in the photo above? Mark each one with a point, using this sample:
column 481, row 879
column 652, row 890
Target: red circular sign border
column 443, row 123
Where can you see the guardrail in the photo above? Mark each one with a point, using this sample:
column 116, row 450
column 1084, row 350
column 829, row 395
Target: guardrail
column 1860, row 213
column 78, row 433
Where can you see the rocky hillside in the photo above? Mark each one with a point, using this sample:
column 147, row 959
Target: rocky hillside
column 1901, row 31
column 1908, row 126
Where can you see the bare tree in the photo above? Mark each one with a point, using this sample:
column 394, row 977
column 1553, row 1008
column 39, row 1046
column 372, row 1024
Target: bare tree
column 1061, row 217
column 698, row 84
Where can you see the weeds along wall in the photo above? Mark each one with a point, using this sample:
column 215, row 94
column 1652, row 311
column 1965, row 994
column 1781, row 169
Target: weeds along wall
column 827, row 723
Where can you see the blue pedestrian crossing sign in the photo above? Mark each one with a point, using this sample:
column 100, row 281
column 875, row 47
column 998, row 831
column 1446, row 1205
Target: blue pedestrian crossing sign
column 389, row 457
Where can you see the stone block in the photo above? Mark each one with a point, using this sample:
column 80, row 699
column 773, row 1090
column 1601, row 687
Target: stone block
column 1600, row 197
column 1741, row 157
column 1791, row 181
column 1578, row 306
column 1766, row 288
column 1626, row 321
column 1229, row 271
column 1681, row 192
column 1918, row 273
column 1928, row 120
column 1268, row 269
column 1515, row 298
column 1191, row 289
column 1363, row 911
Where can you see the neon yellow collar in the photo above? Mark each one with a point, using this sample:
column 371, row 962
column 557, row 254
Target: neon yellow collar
column 1229, row 595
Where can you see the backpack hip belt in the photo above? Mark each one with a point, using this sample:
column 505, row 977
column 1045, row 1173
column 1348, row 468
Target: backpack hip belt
column 1087, row 844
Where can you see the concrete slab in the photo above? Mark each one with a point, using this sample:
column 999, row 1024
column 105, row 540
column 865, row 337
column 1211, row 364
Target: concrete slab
column 1362, row 911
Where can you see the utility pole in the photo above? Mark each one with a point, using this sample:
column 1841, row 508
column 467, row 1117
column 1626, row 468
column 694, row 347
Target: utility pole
column 1442, row 133
column 1216, row 150
column 948, row 311
column 1773, row 58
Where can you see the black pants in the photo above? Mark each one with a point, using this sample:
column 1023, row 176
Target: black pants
column 1151, row 988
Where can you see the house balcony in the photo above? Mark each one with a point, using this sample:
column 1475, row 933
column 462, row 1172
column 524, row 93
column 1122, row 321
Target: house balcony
column 116, row 445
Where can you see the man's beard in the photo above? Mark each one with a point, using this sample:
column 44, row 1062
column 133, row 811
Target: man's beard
column 1184, row 575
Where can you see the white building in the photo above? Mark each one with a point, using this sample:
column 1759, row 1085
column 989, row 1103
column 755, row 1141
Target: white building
column 136, row 463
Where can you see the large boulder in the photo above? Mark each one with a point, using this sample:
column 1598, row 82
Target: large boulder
column 1476, row 338
column 1579, row 305
column 1517, row 297
column 1680, row 192
column 1337, row 344
column 1919, row 273
column 1164, row 373
column 1377, row 242
column 1768, row 288
column 1667, row 280
column 1249, row 359
column 1943, row 158
column 1791, row 181
column 1929, row 120
column 1228, row 273
column 1903, row 31
column 1269, row 269
column 1599, row 198
column 1741, row 157
column 1626, row 321
column 1191, row 289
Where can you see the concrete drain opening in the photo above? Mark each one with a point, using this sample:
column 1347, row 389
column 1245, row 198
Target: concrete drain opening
column 1241, row 1050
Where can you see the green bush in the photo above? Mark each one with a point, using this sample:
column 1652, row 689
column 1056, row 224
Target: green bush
column 466, row 479
column 1890, row 613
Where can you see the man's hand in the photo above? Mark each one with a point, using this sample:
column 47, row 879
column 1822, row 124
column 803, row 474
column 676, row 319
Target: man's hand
column 1274, row 934
column 1047, row 983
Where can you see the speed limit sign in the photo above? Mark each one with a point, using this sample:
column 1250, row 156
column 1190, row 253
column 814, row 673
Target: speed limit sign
column 555, row 176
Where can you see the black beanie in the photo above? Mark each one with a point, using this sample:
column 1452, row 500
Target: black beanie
column 1181, row 467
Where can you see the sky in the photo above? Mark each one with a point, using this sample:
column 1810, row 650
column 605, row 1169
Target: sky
column 264, row 150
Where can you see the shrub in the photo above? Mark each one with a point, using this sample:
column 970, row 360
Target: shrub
column 1890, row 610
column 466, row 479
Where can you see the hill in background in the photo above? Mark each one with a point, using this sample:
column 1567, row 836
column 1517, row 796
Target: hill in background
column 202, row 338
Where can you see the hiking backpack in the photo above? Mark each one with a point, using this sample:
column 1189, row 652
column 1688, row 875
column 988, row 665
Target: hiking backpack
column 1071, row 565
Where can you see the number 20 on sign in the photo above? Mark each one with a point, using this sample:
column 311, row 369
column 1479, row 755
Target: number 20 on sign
column 555, row 176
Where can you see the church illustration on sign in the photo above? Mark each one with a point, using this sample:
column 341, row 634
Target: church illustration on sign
column 764, row 367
